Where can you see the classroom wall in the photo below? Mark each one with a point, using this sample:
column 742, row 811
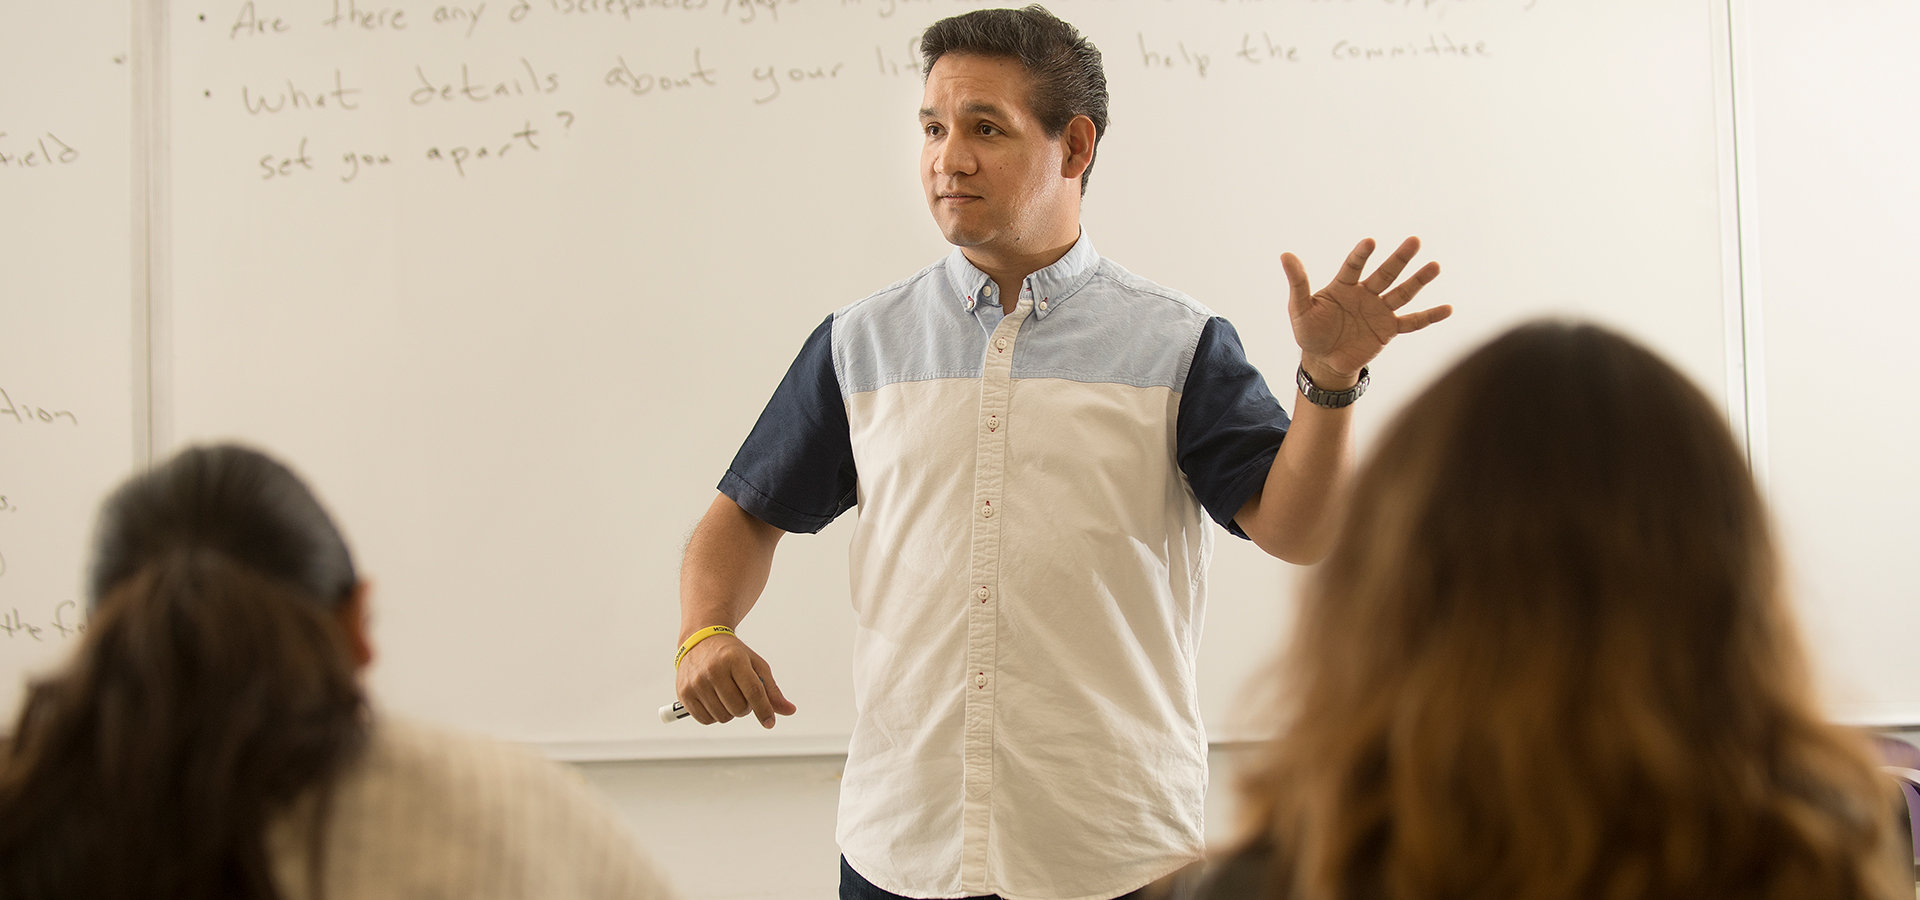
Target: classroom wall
column 1829, row 119
column 1827, row 126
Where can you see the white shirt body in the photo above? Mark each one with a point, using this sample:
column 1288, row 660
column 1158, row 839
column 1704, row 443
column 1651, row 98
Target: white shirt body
column 1028, row 572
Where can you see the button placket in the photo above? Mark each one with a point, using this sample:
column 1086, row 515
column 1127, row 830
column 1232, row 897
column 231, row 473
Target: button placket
column 996, row 389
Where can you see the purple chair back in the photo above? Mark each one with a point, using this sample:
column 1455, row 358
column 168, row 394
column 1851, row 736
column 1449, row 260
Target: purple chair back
column 1904, row 761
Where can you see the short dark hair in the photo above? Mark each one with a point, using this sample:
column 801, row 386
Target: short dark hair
column 230, row 500
column 1067, row 78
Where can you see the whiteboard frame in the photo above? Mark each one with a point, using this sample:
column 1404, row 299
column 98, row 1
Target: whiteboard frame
column 1746, row 344
column 151, row 240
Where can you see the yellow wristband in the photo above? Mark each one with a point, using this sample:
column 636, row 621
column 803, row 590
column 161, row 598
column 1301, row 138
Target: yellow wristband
column 696, row 638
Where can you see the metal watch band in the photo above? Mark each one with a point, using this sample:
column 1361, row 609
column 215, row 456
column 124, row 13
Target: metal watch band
column 1329, row 399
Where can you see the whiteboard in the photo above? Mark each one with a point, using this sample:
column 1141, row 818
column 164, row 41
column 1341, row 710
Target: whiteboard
column 514, row 337
column 67, row 377
column 1830, row 116
column 510, row 288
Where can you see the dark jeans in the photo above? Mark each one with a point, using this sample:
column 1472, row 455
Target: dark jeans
column 855, row 887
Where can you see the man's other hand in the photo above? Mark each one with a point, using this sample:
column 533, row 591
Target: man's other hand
column 722, row 679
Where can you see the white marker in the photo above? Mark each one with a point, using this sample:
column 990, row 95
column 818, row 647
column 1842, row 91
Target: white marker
column 673, row 712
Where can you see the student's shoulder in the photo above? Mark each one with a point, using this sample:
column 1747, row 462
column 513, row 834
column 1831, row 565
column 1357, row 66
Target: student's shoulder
column 448, row 767
column 459, row 792
column 418, row 748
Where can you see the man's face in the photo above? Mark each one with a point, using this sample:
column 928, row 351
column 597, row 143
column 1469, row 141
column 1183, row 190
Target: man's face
column 993, row 178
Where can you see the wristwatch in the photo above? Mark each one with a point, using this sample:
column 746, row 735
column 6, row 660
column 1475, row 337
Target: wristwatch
column 1329, row 399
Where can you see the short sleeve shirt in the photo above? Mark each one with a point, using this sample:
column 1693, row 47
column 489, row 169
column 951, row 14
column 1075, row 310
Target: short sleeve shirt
column 1028, row 565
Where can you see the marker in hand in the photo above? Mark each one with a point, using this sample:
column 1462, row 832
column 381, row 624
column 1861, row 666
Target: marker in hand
column 673, row 712
column 762, row 695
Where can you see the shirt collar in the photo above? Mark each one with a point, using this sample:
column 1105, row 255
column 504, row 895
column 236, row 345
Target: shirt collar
column 1052, row 286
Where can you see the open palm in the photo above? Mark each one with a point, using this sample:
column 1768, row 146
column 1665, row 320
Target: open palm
column 1343, row 326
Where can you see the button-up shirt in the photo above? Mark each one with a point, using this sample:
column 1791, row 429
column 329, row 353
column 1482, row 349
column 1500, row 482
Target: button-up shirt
column 1028, row 569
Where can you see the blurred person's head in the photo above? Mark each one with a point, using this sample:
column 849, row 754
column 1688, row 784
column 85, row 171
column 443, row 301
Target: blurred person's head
column 216, row 685
column 1550, row 658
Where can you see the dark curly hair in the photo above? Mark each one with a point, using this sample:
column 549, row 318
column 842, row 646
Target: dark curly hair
column 213, row 689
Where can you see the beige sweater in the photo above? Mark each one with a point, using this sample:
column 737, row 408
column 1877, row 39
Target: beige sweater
column 424, row 813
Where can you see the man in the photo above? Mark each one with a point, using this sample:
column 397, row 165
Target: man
column 1031, row 434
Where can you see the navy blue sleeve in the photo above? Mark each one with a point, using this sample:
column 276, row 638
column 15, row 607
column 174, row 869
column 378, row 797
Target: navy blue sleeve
column 795, row 471
column 1230, row 425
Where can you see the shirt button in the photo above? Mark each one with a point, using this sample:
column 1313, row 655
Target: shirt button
column 1000, row 343
column 980, row 680
column 993, row 423
column 1043, row 306
column 987, row 511
column 987, row 291
column 982, row 593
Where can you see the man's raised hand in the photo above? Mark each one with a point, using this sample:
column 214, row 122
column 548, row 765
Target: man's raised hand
column 1343, row 326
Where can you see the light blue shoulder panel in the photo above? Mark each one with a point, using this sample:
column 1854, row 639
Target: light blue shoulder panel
column 909, row 331
column 1117, row 328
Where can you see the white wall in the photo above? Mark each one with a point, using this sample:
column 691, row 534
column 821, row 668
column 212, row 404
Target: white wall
column 1830, row 119
column 1828, row 227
